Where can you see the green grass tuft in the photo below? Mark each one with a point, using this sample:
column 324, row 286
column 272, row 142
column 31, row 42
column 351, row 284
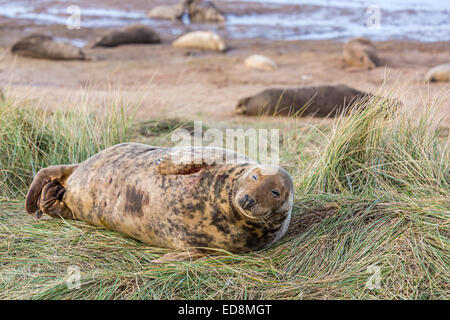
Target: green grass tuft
column 33, row 139
column 381, row 149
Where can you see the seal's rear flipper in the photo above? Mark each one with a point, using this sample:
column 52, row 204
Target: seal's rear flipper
column 46, row 192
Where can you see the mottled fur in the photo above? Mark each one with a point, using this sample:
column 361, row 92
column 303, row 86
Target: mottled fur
column 146, row 193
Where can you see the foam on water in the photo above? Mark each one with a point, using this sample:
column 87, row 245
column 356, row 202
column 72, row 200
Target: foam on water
column 325, row 19
column 385, row 4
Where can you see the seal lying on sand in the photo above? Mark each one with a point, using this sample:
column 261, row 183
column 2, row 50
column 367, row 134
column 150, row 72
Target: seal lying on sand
column 439, row 73
column 361, row 52
column 260, row 62
column 44, row 47
column 318, row 101
column 201, row 11
column 128, row 35
column 168, row 12
column 149, row 194
column 204, row 40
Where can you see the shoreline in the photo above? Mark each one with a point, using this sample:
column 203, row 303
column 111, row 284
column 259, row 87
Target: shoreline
column 418, row 20
column 206, row 85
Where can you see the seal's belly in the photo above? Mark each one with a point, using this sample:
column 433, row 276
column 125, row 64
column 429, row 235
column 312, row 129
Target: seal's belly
column 119, row 189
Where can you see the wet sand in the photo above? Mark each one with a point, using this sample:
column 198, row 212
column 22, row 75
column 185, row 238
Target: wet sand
column 416, row 20
column 195, row 84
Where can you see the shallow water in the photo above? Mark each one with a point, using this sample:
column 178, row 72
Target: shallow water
column 308, row 19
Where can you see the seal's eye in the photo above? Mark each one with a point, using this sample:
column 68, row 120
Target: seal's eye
column 254, row 177
column 275, row 193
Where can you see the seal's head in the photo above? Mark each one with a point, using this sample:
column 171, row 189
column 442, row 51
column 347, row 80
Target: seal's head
column 265, row 194
column 241, row 107
column 104, row 40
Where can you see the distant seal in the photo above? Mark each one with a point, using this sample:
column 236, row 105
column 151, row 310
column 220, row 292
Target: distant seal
column 45, row 47
column 168, row 12
column 204, row 40
column 439, row 73
column 148, row 194
column 361, row 52
column 204, row 11
column 134, row 34
column 320, row 101
column 260, row 62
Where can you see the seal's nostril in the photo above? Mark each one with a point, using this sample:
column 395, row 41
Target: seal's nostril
column 247, row 202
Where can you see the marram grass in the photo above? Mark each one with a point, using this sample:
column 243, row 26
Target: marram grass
column 382, row 149
column 32, row 139
column 371, row 196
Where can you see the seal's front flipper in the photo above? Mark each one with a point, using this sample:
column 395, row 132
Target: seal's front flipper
column 46, row 192
column 180, row 256
column 168, row 165
column 192, row 160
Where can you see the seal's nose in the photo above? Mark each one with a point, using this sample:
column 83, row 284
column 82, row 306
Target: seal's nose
column 247, row 202
column 240, row 109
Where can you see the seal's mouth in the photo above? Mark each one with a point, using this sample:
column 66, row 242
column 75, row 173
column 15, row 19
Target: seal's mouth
column 249, row 208
column 247, row 214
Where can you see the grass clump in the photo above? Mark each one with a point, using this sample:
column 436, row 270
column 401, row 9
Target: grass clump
column 381, row 149
column 371, row 194
column 32, row 139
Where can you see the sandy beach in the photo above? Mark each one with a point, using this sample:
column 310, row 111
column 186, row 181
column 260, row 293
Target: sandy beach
column 195, row 84
column 198, row 84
